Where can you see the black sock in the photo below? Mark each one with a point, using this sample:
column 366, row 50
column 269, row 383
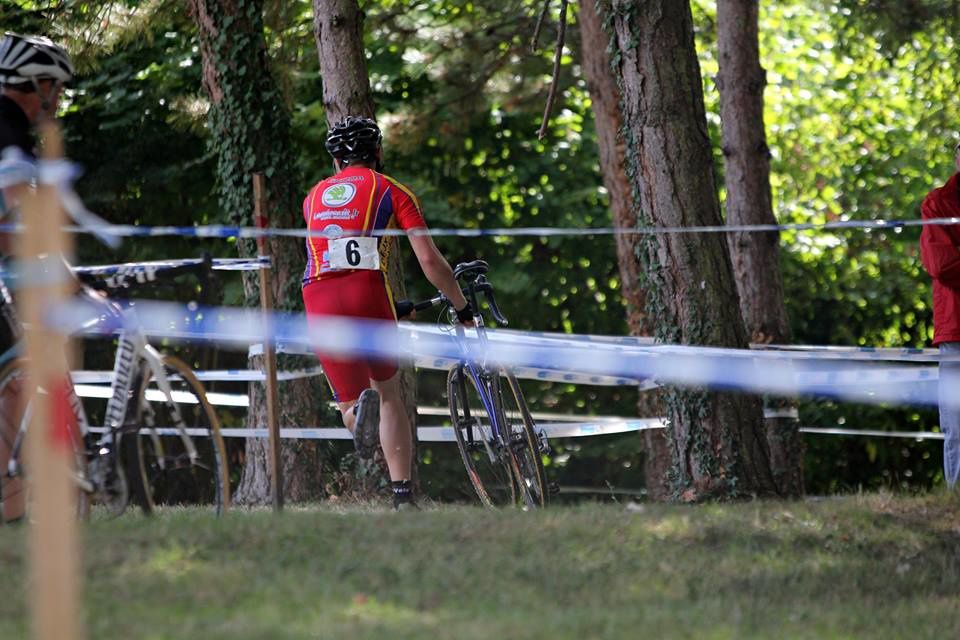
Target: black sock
column 402, row 491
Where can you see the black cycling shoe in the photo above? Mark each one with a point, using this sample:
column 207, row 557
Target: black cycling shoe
column 366, row 429
column 408, row 505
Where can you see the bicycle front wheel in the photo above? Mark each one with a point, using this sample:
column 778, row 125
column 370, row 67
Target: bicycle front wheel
column 178, row 450
column 14, row 408
column 524, row 446
column 486, row 459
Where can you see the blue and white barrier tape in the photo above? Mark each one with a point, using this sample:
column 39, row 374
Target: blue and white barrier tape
column 235, row 231
column 212, row 375
column 18, row 168
column 148, row 270
column 775, row 373
column 445, row 364
column 903, row 354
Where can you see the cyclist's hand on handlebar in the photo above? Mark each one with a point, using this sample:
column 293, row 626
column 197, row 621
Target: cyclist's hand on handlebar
column 465, row 315
column 405, row 310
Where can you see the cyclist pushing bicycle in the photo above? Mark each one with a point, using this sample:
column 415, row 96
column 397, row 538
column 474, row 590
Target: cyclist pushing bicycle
column 346, row 276
column 33, row 71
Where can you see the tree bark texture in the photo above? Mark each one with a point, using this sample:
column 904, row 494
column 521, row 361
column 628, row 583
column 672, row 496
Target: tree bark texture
column 755, row 256
column 605, row 99
column 717, row 439
column 338, row 30
column 251, row 134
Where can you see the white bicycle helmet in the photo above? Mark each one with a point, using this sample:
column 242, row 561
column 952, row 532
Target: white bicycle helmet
column 28, row 59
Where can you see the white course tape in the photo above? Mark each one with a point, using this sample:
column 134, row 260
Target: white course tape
column 212, row 375
column 156, row 395
column 426, row 434
column 551, row 430
column 877, row 433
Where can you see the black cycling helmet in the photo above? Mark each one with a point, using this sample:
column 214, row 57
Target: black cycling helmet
column 354, row 138
column 28, row 59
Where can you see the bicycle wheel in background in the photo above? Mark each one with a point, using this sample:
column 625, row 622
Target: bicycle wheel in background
column 157, row 457
column 14, row 399
column 487, row 464
column 524, row 446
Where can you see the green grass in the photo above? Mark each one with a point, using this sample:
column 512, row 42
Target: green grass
column 874, row 566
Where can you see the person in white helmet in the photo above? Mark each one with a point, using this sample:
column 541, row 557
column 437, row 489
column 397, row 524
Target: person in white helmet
column 33, row 72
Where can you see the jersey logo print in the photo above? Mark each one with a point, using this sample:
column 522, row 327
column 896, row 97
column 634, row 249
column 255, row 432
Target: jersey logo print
column 338, row 195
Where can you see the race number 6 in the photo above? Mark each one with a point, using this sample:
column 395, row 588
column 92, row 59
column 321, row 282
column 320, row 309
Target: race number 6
column 354, row 253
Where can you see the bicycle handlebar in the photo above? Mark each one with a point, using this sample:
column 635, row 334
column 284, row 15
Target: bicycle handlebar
column 115, row 278
column 406, row 307
column 474, row 271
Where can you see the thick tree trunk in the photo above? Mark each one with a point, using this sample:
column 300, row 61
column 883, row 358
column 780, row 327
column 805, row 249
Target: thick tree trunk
column 756, row 256
column 338, row 30
column 605, row 99
column 717, row 439
column 251, row 133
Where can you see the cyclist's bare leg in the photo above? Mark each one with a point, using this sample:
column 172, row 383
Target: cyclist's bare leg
column 13, row 494
column 346, row 413
column 395, row 436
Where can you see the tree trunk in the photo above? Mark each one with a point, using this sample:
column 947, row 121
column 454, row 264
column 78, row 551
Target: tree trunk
column 717, row 439
column 251, row 134
column 756, row 256
column 605, row 99
column 338, row 29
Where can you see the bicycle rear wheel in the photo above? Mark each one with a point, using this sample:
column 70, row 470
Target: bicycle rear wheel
column 487, row 461
column 524, row 446
column 14, row 405
column 158, row 456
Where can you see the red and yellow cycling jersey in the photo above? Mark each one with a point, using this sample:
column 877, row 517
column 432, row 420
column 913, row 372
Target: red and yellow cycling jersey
column 353, row 204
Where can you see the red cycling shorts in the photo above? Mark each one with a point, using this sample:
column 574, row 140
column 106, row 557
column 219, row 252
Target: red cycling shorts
column 355, row 294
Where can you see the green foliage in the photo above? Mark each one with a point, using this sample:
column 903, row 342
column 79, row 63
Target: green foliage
column 857, row 138
column 892, row 23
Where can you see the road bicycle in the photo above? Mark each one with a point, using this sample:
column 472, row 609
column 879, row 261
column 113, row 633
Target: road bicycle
column 160, row 443
column 501, row 448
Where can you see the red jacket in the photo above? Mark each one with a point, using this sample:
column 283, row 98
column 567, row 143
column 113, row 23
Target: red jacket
column 940, row 253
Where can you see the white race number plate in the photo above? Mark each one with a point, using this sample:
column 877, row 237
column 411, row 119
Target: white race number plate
column 353, row 253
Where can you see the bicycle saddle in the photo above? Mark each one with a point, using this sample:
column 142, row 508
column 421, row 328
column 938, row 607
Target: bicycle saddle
column 472, row 269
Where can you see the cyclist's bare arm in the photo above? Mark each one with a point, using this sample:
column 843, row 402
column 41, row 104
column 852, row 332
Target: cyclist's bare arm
column 436, row 268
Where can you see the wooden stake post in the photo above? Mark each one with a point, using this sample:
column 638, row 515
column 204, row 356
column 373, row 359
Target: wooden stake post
column 54, row 547
column 269, row 353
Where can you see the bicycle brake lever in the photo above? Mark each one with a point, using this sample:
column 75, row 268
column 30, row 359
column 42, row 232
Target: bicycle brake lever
column 487, row 289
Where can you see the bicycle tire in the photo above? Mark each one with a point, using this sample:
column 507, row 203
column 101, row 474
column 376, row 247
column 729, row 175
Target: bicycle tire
column 14, row 372
column 524, row 447
column 158, row 461
column 487, row 463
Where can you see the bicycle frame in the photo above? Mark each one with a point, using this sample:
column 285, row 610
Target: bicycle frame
column 135, row 356
column 478, row 370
